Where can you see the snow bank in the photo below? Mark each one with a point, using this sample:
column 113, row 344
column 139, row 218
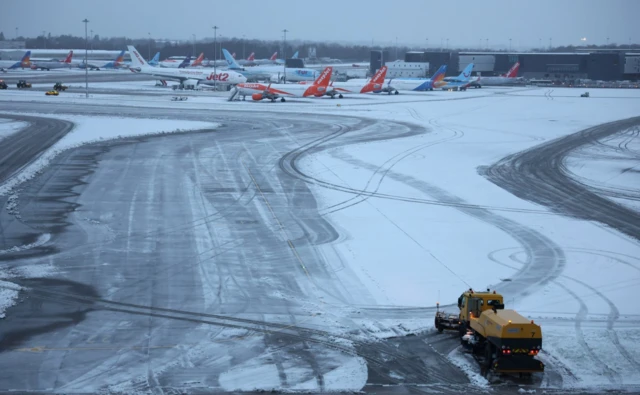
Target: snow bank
column 8, row 295
column 9, row 126
column 96, row 129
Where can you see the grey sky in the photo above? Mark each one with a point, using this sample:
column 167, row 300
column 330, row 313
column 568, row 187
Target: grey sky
column 411, row 21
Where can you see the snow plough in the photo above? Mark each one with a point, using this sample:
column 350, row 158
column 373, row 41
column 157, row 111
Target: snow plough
column 502, row 341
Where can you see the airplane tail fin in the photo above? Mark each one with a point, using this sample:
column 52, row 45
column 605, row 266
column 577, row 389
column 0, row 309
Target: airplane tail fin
column 466, row 73
column 136, row 59
column 440, row 74
column 69, row 56
column 186, row 62
column 513, row 72
column 378, row 77
column 252, row 57
column 26, row 60
column 230, row 60
column 295, row 55
column 325, row 77
column 274, row 56
column 120, row 58
column 198, row 61
column 155, row 59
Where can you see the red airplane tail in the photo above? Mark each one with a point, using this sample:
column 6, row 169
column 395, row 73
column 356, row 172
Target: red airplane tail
column 378, row 77
column 198, row 61
column 274, row 56
column 252, row 57
column 513, row 72
column 68, row 59
column 324, row 78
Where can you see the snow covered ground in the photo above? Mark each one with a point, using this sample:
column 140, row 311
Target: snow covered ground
column 87, row 130
column 414, row 254
column 8, row 127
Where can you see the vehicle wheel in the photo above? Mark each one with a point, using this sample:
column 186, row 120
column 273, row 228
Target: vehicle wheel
column 340, row 96
column 396, row 92
column 282, row 100
column 440, row 329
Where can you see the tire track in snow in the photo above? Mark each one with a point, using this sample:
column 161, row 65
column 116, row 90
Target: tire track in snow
column 581, row 316
column 539, row 175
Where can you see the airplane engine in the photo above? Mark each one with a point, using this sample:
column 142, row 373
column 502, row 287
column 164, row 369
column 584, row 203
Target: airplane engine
column 257, row 96
column 190, row 84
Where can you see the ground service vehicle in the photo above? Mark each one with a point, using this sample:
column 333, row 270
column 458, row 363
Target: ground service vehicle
column 502, row 341
column 23, row 84
column 52, row 93
column 59, row 87
column 3, row 85
column 586, row 94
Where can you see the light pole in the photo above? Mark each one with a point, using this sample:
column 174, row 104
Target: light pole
column 540, row 43
column 86, row 66
column 284, row 55
column 550, row 43
column 149, row 47
column 16, row 33
column 194, row 44
column 509, row 45
column 487, row 41
column 243, row 42
column 447, row 44
column 427, row 44
column 215, row 55
column 91, row 39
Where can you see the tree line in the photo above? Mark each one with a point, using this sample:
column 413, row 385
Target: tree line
column 243, row 47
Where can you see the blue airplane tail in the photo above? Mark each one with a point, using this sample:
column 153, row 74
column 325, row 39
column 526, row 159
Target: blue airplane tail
column 186, row 62
column 466, row 73
column 156, row 58
column 230, row 60
column 295, row 55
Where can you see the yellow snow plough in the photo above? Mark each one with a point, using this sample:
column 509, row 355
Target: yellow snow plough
column 502, row 341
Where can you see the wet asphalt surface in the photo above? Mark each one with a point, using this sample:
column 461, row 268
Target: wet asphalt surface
column 178, row 257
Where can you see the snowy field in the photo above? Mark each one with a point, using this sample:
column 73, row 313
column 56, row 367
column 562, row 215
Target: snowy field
column 427, row 241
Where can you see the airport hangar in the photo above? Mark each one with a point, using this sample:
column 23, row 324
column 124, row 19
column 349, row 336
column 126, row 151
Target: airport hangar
column 604, row 65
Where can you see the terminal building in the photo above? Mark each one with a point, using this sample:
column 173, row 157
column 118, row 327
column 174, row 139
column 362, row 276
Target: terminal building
column 601, row 65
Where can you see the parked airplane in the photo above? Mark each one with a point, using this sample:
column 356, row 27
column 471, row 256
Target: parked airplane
column 24, row 63
column 176, row 62
column 461, row 82
column 375, row 84
column 395, row 85
column 198, row 61
column 187, row 77
column 282, row 61
column 249, row 61
column 272, row 60
column 271, row 73
column 272, row 92
column 155, row 60
column 53, row 63
column 510, row 77
column 109, row 65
